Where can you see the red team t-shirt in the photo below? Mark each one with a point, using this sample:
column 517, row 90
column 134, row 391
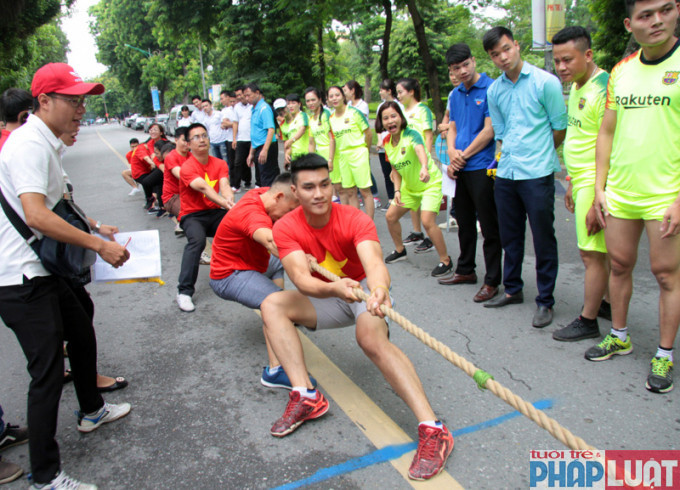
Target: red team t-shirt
column 334, row 245
column 170, row 182
column 128, row 155
column 3, row 137
column 138, row 165
column 190, row 200
column 233, row 247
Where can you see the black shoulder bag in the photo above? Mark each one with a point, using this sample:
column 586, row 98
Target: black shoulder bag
column 62, row 259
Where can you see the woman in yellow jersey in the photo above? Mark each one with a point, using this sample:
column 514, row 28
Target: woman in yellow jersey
column 419, row 117
column 352, row 140
column 296, row 136
column 321, row 139
column 417, row 184
column 388, row 92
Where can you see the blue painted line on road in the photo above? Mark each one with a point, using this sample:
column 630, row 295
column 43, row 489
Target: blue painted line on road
column 389, row 453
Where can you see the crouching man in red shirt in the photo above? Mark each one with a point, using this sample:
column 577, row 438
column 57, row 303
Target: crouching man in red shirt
column 345, row 241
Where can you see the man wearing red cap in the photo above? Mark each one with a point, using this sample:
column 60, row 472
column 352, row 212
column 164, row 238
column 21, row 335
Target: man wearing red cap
column 40, row 307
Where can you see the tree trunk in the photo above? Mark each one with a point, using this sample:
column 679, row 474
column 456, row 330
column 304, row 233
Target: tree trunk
column 321, row 57
column 385, row 55
column 424, row 51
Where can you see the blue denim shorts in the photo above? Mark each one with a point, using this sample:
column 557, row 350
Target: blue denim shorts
column 250, row 288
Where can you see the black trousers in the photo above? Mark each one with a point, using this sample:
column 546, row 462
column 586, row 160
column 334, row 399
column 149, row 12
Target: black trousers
column 517, row 200
column 386, row 170
column 475, row 200
column 269, row 170
column 152, row 183
column 241, row 163
column 234, row 173
column 197, row 227
column 43, row 312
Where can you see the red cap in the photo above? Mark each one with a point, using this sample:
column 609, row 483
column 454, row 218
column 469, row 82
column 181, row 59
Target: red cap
column 61, row 78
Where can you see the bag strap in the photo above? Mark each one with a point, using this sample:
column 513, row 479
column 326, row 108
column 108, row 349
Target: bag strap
column 20, row 225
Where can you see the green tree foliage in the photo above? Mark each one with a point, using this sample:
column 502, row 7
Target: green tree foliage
column 116, row 99
column 30, row 36
column 611, row 38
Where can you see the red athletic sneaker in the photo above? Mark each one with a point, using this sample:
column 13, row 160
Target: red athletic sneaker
column 434, row 447
column 297, row 411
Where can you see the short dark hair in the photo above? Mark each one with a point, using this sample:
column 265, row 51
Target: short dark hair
column 358, row 90
column 388, row 84
column 577, row 34
column 158, row 145
column 309, row 161
column 239, row 88
column 184, row 108
column 252, row 86
column 13, row 102
column 390, row 104
column 494, row 35
column 458, row 53
column 207, row 100
column 181, row 131
column 135, row 141
column 411, row 84
column 167, row 147
column 630, row 5
column 284, row 178
column 194, row 97
column 193, row 126
column 293, row 98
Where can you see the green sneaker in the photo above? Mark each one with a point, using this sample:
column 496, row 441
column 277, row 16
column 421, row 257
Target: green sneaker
column 610, row 346
column 660, row 379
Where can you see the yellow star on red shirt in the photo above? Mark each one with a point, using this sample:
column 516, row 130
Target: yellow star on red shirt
column 329, row 263
column 211, row 183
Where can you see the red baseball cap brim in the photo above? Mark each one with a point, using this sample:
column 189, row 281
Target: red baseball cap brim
column 61, row 78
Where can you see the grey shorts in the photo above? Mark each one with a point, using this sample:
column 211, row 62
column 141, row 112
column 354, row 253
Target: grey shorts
column 250, row 288
column 337, row 313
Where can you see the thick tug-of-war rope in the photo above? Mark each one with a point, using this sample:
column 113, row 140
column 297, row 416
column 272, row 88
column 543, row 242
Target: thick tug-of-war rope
column 484, row 380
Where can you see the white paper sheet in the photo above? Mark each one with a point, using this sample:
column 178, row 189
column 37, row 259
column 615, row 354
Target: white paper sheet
column 448, row 184
column 144, row 261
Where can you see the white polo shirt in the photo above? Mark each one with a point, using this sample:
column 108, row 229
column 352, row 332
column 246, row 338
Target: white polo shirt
column 243, row 113
column 29, row 162
column 229, row 113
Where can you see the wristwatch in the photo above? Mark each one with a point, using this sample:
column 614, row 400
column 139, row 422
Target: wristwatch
column 97, row 226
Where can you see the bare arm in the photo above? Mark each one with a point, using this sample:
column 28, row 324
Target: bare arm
column 297, row 268
column 264, row 237
column 428, row 140
column 368, row 138
column 39, row 217
column 603, row 151
column 377, row 277
column 558, row 137
column 200, row 185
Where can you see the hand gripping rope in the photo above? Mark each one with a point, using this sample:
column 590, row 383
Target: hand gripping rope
column 483, row 379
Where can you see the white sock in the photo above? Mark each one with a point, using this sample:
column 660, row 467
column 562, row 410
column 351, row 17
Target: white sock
column 311, row 394
column 435, row 424
column 621, row 334
column 273, row 370
column 665, row 353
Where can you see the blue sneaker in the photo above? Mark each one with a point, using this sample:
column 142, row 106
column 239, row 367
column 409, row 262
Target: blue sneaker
column 280, row 379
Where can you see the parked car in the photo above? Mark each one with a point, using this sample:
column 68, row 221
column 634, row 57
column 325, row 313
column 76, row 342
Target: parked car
column 139, row 122
column 130, row 119
column 100, row 120
column 172, row 118
column 160, row 119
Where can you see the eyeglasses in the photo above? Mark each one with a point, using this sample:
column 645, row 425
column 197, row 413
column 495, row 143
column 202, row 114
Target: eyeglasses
column 74, row 101
column 199, row 137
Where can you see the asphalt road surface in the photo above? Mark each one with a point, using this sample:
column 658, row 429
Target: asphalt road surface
column 201, row 418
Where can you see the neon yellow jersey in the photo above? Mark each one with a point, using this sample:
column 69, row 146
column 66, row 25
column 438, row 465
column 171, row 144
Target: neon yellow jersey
column 420, row 118
column 348, row 132
column 404, row 159
column 585, row 110
column 321, row 128
column 645, row 158
column 300, row 146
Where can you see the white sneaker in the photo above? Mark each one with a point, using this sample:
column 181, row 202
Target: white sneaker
column 108, row 413
column 185, row 303
column 453, row 224
column 63, row 482
column 377, row 203
column 135, row 191
column 179, row 232
column 205, row 259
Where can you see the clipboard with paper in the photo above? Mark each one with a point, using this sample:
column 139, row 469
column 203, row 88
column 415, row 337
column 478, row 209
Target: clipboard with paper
column 144, row 264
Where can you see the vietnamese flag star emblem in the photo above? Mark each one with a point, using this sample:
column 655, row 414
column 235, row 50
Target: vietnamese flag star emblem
column 332, row 265
column 211, row 183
